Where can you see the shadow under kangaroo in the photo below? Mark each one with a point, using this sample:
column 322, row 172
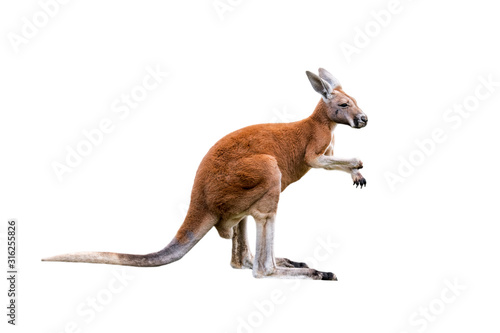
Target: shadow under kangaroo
column 243, row 175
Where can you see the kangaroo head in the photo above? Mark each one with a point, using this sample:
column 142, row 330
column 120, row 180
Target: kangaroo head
column 341, row 108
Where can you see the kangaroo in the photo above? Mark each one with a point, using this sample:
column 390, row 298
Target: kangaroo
column 243, row 175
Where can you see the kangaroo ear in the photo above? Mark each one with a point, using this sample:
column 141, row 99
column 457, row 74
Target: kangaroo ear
column 319, row 85
column 328, row 77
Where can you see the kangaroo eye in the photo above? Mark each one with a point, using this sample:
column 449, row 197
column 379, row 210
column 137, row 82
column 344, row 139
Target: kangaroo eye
column 344, row 105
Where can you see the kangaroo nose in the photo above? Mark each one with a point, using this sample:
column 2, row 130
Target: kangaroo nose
column 363, row 118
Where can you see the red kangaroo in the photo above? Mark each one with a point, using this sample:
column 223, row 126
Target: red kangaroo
column 243, row 175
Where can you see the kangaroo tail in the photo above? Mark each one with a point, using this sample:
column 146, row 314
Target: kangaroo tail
column 188, row 235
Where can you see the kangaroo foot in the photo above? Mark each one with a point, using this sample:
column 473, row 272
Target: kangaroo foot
column 284, row 262
column 295, row 273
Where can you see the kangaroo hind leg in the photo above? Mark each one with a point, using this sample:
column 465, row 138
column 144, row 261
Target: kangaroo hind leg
column 242, row 257
column 265, row 263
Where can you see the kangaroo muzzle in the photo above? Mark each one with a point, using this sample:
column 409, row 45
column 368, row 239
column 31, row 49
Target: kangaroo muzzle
column 360, row 121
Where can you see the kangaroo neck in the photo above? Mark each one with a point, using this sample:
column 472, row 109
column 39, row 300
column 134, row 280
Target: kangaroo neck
column 320, row 116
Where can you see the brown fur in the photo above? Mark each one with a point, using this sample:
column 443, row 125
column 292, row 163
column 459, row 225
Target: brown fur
column 230, row 171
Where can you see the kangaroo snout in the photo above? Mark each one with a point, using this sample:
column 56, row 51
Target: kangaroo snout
column 360, row 121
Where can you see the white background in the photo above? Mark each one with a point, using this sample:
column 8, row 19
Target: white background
column 397, row 247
